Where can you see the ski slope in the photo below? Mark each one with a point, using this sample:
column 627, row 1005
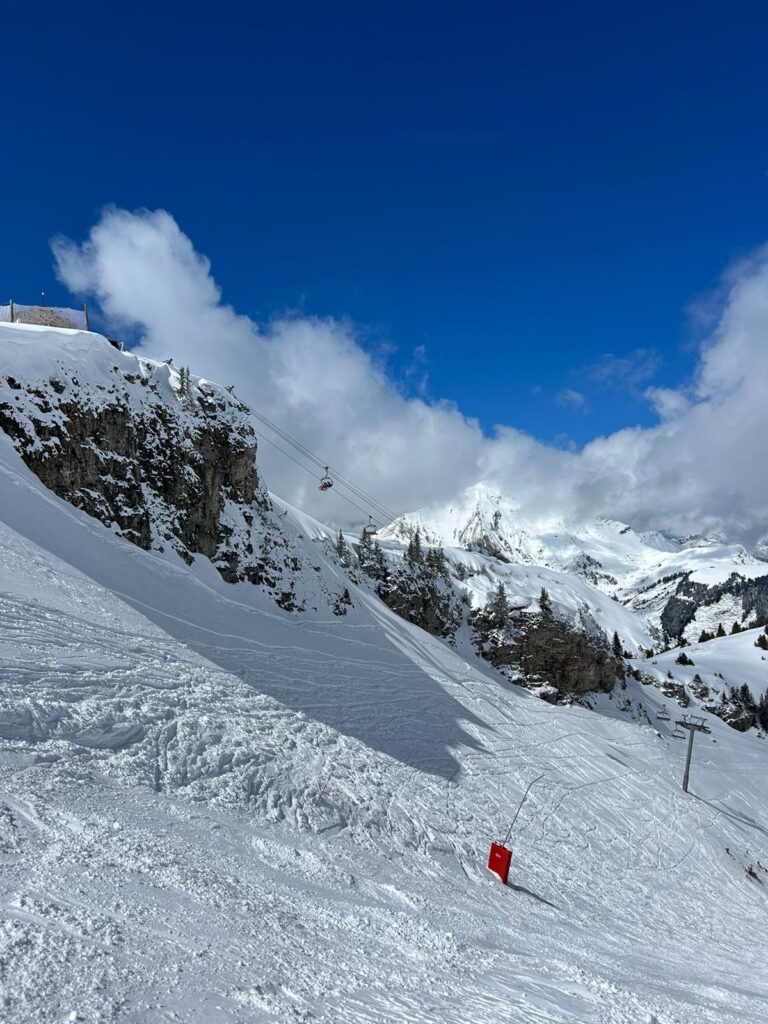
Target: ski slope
column 212, row 810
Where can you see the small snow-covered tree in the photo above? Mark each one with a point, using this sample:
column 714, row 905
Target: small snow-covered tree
column 747, row 699
column 762, row 712
column 499, row 607
column 184, row 382
column 436, row 560
column 342, row 549
column 545, row 602
column 414, row 553
column 371, row 558
column 617, row 646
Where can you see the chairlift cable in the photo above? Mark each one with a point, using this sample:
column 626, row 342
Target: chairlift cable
column 368, row 498
column 286, row 437
column 311, row 473
column 362, row 495
column 301, row 449
column 385, row 512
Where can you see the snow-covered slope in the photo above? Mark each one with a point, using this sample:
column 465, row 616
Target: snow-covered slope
column 213, row 810
column 721, row 663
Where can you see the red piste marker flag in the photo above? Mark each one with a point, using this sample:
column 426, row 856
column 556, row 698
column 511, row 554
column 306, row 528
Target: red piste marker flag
column 499, row 860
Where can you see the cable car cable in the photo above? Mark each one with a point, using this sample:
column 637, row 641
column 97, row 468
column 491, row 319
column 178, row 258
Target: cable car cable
column 368, row 498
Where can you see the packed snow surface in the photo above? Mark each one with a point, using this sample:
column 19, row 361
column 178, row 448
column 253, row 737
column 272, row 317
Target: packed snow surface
column 212, row 810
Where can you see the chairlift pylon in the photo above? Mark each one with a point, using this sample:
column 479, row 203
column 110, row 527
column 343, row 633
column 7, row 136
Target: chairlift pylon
column 325, row 481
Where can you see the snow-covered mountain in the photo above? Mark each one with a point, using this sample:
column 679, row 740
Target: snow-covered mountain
column 641, row 570
column 219, row 804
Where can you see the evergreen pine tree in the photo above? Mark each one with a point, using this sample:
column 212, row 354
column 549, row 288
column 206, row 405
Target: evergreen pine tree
column 341, row 549
column 616, row 645
column 746, row 698
column 735, row 628
column 184, row 382
column 500, row 607
column 762, row 712
column 545, row 603
column 436, row 560
column 720, row 630
column 371, row 558
column 414, row 554
column 379, row 563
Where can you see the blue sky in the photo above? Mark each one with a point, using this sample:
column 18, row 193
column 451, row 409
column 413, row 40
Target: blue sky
column 516, row 203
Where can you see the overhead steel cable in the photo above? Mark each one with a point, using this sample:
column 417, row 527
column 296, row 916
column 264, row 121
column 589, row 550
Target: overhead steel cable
column 287, row 437
column 385, row 512
column 342, row 482
column 311, row 473
column 367, row 498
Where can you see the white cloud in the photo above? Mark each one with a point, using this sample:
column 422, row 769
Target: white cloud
column 668, row 403
column 572, row 400
column 701, row 467
column 625, row 372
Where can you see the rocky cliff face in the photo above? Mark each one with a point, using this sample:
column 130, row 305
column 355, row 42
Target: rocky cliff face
column 164, row 459
column 547, row 654
column 573, row 662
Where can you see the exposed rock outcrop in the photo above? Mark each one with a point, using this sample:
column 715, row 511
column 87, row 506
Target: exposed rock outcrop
column 422, row 598
column 545, row 653
column 736, row 707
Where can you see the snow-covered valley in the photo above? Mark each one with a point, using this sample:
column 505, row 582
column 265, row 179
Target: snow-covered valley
column 218, row 809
